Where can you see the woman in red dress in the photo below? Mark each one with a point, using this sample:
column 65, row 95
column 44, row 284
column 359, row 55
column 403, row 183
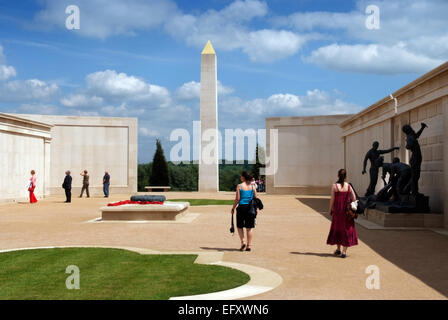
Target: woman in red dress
column 342, row 231
column 32, row 187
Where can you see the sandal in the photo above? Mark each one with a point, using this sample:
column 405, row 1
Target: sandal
column 248, row 249
column 343, row 255
column 337, row 252
column 243, row 246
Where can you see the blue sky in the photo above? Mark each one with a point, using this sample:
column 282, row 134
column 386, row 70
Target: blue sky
column 275, row 58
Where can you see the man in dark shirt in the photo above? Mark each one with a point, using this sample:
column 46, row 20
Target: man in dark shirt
column 67, row 186
column 106, row 184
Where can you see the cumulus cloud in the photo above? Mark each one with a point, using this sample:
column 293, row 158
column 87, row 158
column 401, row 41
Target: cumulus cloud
column 408, row 41
column 372, row 58
column 110, row 84
column 28, row 90
column 314, row 102
column 81, row 101
column 229, row 28
column 192, row 90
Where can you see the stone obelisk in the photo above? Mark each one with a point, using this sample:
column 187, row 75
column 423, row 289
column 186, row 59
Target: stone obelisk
column 208, row 150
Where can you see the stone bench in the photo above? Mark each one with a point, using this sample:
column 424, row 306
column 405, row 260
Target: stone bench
column 152, row 188
column 169, row 211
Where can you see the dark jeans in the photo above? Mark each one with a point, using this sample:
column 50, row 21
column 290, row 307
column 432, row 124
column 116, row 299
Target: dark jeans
column 106, row 189
column 68, row 195
column 85, row 187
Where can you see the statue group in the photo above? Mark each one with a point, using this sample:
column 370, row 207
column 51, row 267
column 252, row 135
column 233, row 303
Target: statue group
column 400, row 192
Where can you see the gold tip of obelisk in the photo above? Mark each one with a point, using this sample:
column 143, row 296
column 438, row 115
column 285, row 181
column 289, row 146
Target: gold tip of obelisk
column 208, row 49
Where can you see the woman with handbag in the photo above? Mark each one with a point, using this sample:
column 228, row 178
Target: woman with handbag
column 245, row 192
column 32, row 186
column 342, row 231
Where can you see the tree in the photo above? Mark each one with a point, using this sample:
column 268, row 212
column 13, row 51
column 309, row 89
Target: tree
column 159, row 171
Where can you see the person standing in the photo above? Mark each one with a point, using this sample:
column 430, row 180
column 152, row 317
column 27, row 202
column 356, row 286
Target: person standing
column 85, row 183
column 342, row 231
column 67, row 186
column 245, row 192
column 32, row 186
column 106, row 184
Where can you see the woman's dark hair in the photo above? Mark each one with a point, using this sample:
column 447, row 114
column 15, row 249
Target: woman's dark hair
column 33, row 172
column 247, row 177
column 342, row 174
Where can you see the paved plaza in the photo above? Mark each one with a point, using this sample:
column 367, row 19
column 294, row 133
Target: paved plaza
column 289, row 239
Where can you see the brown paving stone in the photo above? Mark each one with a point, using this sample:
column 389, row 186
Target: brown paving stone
column 289, row 239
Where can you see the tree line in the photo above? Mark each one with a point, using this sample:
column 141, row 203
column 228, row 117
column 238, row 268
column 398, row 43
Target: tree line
column 184, row 177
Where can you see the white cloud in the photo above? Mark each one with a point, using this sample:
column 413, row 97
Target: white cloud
column 81, row 101
column 372, row 58
column 315, row 102
column 102, row 19
column 119, row 86
column 228, row 28
column 268, row 45
column 412, row 38
column 6, row 72
column 148, row 132
column 192, row 90
column 28, row 90
column 39, row 108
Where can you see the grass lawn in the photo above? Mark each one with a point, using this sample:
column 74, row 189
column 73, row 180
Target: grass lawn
column 205, row 202
column 109, row 274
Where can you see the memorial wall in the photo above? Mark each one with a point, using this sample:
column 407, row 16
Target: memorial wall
column 24, row 146
column 310, row 152
column 311, row 149
column 50, row 145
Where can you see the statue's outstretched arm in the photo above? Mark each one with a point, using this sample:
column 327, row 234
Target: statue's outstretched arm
column 419, row 132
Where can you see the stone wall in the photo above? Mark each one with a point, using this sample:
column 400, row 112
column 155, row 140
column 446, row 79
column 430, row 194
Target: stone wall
column 24, row 146
column 310, row 153
column 95, row 144
column 423, row 100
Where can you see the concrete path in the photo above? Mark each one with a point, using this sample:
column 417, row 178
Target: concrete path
column 289, row 240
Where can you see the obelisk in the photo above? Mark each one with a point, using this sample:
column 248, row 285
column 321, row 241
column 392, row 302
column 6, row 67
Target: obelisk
column 208, row 150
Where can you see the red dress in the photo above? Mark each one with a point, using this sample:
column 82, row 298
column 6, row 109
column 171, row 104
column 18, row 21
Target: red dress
column 342, row 231
column 31, row 190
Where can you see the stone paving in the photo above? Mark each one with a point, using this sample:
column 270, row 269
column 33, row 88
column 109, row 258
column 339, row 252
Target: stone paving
column 289, row 239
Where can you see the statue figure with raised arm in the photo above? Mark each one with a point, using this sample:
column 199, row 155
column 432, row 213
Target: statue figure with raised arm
column 373, row 155
column 413, row 145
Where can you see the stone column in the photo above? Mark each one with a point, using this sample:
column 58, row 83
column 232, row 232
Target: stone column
column 209, row 142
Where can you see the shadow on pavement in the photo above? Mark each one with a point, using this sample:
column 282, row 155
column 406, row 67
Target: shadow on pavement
column 424, row 254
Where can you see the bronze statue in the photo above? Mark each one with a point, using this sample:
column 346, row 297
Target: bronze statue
column 373, row 155
column 416, row 157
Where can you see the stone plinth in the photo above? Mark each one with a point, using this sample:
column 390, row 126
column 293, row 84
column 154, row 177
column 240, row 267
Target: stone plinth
column 168, row 211
column 408, row 220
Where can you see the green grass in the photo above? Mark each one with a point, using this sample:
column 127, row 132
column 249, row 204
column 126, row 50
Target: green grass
column 109, row 274
column 205, row 202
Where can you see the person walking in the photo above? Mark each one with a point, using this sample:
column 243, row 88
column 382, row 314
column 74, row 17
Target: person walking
column 32, row 186
column 67, row 186
column 85, row 183
column 106, row 184
column 245, row 192
column 342, row 231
